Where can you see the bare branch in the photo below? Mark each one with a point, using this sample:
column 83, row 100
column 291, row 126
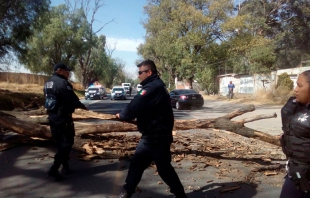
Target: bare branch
column 109, row 49
column 258, row 117
column 241, row 111
column 103, row 26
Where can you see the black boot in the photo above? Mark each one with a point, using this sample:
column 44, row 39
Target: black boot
column 54, row 174
column 65, row 168
column 179, row 194
column 124, row 194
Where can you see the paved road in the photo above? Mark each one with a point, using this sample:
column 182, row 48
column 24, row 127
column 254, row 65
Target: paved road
column 22, row 172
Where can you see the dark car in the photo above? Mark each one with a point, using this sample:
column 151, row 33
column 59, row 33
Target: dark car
column 95, row 93
column 118, row 93
column 181, row 98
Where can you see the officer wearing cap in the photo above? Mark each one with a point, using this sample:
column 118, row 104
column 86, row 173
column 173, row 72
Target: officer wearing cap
column 152, row 109
column 60, row 102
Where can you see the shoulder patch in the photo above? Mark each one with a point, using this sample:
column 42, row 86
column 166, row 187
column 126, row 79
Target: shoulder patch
column 49, row 85
column 142, row 92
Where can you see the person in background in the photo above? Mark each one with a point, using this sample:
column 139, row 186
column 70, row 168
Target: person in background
column 130, row 89
column 231, row 87
column 60, row 102
column 152, row 109
column 295, row 140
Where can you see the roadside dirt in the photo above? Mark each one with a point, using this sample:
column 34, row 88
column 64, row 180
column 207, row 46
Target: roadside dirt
column 18, row 96
column 259, row 98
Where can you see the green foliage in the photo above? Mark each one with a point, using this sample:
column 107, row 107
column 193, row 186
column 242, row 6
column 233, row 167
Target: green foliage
column 17, row 21
column 287, row 23
column 67, row 36
column 179, row 32
column 284, row 82
column 59, row 41
column 206, row 79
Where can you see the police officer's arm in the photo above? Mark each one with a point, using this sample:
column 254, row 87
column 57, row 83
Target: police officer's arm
column 78, row 103
column 139, row 104
column 69, row 98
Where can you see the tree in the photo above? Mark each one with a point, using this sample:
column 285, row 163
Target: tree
column 284, row 82
column 68, row 37
column 250, row 35
column 58, row 41
column 178, row 32
column 17, row 22
column 294, row 38
column 85, row 56
column 285, row 22
column 118, row 73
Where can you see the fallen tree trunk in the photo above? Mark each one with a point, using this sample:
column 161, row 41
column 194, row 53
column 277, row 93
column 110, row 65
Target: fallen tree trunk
column 24, row 127
column 40, row 115
column 223, row 123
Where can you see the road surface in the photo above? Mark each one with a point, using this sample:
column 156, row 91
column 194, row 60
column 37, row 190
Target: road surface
column 22, row 172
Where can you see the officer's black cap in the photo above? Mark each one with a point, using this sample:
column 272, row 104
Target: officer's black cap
column 61, row 66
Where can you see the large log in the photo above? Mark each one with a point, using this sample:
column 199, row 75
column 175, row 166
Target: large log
column 40, row 115
column 223, row 123
column 24, row 127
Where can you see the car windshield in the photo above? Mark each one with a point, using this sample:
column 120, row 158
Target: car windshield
column 93, row 89
column 187, row 91
column 117, row 89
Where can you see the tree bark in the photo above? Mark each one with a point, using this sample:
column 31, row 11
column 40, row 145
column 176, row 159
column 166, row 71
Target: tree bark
column 24, row 127
column 223, row 123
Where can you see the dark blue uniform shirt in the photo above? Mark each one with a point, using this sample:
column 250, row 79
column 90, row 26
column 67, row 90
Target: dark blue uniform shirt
column 152, row 108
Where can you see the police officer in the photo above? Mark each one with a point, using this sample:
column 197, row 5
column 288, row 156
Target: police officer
column 60, row 103
column 295, row 141
column 152, row 108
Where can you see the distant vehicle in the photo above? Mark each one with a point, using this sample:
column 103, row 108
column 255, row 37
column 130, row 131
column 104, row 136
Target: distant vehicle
column 180, row 98
column 95, row 92
column 126, row 86
column 139, row 87
column 118, row 92
column 126, row 89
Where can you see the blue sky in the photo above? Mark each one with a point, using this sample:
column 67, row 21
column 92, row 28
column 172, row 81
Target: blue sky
column 126, row 32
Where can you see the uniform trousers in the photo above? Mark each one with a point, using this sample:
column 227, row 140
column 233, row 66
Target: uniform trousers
column 157, row 150
column 289, row 190
column 63, row 134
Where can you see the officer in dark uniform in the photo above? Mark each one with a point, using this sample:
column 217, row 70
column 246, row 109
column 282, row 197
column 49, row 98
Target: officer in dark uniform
column 295, row 141
column 60, row 103
column 151, row 106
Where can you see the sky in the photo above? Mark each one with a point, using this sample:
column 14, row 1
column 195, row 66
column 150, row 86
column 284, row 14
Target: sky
column 126, row 31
